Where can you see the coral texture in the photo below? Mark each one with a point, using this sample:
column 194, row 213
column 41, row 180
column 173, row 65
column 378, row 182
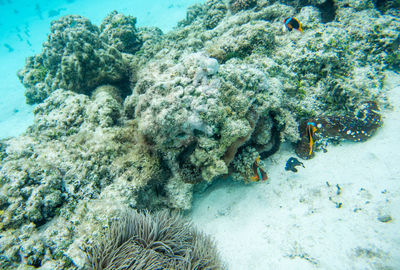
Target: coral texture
column 152, row 241
column 70, row 155
column 238, row 5
column 142, row 129
column 74, row 58
column 215, row 12
column 119, row 31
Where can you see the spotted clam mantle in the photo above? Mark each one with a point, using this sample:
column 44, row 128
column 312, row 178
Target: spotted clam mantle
column 354, row 128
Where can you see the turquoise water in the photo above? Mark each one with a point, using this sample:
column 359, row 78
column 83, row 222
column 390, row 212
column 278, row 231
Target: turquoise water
column 24, row 26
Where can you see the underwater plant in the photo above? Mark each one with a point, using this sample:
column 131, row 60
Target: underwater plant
column 162, row 240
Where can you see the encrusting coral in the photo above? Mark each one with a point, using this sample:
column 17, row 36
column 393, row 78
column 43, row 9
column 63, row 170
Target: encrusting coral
column 119, row 31
column 136, row 118
column 238, row 5
column 71, row 154
column 215, row 12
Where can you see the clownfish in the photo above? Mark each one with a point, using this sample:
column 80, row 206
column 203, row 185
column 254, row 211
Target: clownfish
column 259, row 174
column 310, row 132
column 293, row 23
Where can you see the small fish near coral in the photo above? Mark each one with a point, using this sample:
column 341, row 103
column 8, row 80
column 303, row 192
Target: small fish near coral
column 311, row 129
column 259, row 173
column 293, row 23
column 292, row 163
column 354, row 128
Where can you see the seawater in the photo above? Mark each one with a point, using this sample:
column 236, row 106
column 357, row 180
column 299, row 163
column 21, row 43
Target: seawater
column 24, row 26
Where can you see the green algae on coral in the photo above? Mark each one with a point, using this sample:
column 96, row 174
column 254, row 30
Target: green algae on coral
column 79, row 62
column 238, row 5
column 39, row 74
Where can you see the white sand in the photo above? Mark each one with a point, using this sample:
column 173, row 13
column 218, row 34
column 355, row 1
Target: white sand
column 290, row 222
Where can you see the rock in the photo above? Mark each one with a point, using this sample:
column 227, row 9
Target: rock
column 384, row 218
column 74, row 58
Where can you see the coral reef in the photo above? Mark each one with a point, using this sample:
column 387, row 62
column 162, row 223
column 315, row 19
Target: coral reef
column 70, row 155
column 215, row 12
column 193, row 13
column 238, row 5
column 152, row 241
column 388, row 6
column 137, row 118
column 119, row 31
column 76, row 58
column 248, row 37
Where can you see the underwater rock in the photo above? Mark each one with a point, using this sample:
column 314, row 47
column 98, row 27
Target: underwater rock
column 355, row 128
column 240, row 42
column 389, row 7
column 215, row 12
column 172, row 121
column 384, row 218
column 119, row 31
column 193, row 13
column 151, row 38
column 238, row 5
column 105, row 111
column 73, row 58
column 72, row 153
column 198, row 115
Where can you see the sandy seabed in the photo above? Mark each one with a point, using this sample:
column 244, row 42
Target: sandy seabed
column 341, row 211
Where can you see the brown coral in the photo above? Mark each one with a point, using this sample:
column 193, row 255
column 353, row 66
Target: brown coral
column 238, row 5
column 73, row 58
column 216, row 10
column 230, row 152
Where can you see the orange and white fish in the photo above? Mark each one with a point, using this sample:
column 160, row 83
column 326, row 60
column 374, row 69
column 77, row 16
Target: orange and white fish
column 293, row 23
column 259, row 174
column 310, row 132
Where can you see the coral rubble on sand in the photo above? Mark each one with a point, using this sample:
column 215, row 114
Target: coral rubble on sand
column 134, row 117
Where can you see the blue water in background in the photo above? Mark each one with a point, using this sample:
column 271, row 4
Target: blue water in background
column 24, row 26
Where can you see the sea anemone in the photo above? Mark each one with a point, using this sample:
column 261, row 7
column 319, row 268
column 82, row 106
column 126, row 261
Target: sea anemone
column 152, row 241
